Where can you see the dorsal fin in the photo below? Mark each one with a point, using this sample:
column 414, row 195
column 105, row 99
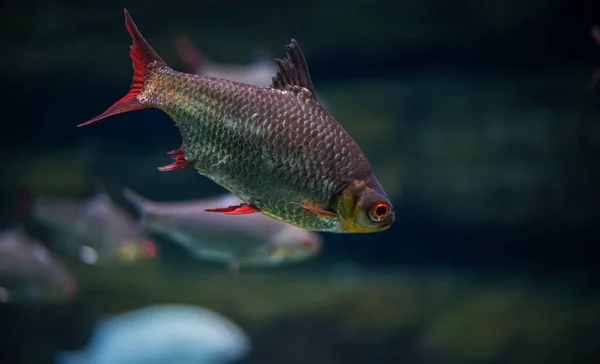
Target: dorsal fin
column 293, row 71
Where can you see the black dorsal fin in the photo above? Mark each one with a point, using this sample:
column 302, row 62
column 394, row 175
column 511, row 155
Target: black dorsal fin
column 293, row 71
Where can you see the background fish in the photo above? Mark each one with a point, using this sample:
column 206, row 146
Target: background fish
column 277, row 148
column 29, row 272
column 240, row 241
column 258, row 73
column 95, row 229
column 163, row 334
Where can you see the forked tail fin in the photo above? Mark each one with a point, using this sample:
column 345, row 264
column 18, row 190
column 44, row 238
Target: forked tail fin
column 143, row 56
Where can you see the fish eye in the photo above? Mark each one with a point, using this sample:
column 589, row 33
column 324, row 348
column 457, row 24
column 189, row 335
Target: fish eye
column 379, row 211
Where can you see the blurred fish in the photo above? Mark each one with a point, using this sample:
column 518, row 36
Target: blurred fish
column 30, row 273
column 595, row 33
column 277, row 149
column 95, row 229
column 252, row 240
column 163, row 334
column 259, row 73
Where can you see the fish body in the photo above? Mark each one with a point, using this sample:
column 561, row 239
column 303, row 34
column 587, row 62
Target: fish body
column 276, row 148
column 29, row 272
column 163, row 334
column 245, row 240
column 95, row 229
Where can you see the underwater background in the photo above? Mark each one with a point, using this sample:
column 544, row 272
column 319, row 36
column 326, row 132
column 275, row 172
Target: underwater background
column 477, row 117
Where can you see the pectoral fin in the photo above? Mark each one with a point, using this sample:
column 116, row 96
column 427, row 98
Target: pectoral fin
column 321, row 212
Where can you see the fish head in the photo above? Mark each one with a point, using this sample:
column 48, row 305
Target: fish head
column 132, row 250
column 129, row 250
column 293, row 243
column 66, row 284
column 58, row 280
column 50, row 280
column 364, row 207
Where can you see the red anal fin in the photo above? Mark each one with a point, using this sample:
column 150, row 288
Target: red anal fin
column 241, row 209
column 175, row 152
column 189, row 55
column 180, row 161
column 142, row 55
column 320, row 211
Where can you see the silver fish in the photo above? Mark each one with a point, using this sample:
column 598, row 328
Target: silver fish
column 259, row 73
column 243, row 240
column 29, row 272
column 95, row 229
column 163, row 334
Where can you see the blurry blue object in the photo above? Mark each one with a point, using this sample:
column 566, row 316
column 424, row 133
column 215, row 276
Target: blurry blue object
column 163, row 334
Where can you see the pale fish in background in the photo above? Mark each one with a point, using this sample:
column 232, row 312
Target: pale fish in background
column 29, row 273
column 242, row 240
column 163, row 334
column 95, row 229
column 258, row 73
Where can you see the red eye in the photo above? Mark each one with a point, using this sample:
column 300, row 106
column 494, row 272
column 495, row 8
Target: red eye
column 379, row 211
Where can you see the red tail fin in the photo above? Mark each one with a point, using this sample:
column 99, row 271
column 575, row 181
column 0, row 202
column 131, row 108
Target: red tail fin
column 142, row 55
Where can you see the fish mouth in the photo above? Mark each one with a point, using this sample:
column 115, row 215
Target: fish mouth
column 355, row 228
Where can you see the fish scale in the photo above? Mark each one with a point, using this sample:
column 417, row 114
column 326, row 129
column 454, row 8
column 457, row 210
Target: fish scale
column 276, row 148
column 271, row 122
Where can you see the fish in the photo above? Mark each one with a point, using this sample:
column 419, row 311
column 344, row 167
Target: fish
column 275, row 148
column 30, row 273
column 95, row 229
column 162, row 334
column 259, row 73
column 246, row 240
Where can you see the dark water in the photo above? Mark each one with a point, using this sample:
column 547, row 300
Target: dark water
column 478, row 121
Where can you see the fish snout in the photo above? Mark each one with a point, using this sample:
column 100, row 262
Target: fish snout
column 311, row 244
